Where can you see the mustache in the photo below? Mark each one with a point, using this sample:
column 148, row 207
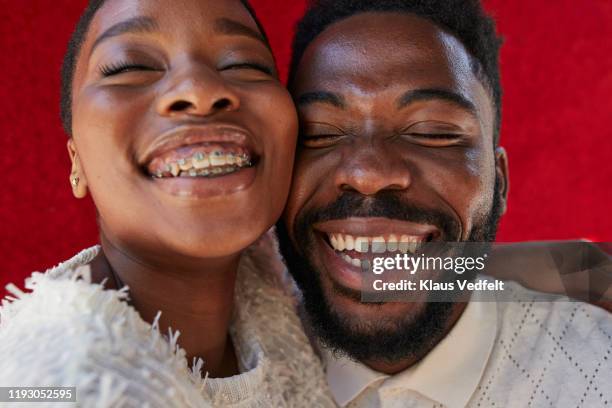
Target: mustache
column 384, row 204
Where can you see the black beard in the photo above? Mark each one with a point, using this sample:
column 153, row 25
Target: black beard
column 384, row 340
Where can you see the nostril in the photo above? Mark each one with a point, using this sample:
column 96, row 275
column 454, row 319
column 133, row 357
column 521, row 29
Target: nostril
column 222, row 104
column 347, row 188
column 395, row 187
column 180, row 106
column 199, row 107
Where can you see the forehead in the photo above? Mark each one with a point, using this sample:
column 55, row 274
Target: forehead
column 372, row 53
column 175, row 17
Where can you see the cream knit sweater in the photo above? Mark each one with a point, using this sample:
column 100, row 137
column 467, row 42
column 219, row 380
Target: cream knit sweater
column 70, row 332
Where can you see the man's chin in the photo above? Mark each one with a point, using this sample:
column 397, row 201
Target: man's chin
column 387, row 331
column 348, row 306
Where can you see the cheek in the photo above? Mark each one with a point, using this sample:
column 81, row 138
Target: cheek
column 275, row 117
column 103, row 125
column 112, row 109
column 275, row 113
column 465, row 183
column 311, row 180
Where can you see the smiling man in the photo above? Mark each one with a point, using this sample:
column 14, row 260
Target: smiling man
column 400, row 105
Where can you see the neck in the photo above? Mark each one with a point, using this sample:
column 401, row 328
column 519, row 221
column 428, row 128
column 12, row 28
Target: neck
column 196, row 297
column 391, row 368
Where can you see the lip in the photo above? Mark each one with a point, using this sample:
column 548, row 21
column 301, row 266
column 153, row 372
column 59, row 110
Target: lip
column 376, row 226
column 188, row 135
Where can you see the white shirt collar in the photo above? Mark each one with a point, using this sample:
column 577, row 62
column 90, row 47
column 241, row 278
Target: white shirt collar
column 449, row 374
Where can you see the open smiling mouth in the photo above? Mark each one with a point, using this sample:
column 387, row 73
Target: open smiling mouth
column 203, row 160
column 349, row 246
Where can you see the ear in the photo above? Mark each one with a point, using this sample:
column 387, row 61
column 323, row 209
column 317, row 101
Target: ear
column 501, row 171
column 78, row 182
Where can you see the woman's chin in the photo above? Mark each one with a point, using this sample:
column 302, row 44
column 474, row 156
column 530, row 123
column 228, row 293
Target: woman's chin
column 219, row 244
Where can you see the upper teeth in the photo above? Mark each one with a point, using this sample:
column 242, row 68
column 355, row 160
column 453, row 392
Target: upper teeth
column 376, row 244
column 216, row 162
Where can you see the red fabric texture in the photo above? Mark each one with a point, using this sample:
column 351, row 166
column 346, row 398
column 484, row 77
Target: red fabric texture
column 557, row 77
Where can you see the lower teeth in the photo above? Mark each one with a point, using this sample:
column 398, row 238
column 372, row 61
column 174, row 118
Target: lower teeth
column 208, row 173
column 211, row 172
column 362, row 263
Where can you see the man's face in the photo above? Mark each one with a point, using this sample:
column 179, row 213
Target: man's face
column 396, row 144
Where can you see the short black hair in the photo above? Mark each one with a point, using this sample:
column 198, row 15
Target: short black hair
column 74, row 48
column 464, row 19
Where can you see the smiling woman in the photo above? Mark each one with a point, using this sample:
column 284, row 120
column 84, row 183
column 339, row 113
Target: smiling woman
column 183, row 135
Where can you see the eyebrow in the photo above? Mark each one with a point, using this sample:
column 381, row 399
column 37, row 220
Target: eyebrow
column 437, row 94
column 132, row 25
column 330, row 98
column 232, row 27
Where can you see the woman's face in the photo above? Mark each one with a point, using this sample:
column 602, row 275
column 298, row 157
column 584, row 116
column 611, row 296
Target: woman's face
column 183, row 134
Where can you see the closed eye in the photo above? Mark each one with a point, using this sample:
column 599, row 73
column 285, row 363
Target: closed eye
column 435, row 135
column 435, row 139
column 123, row 67
column 320, row 141
column 250, row 65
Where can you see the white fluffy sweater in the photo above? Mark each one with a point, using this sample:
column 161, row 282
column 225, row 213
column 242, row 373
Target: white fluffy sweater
column 71, row 332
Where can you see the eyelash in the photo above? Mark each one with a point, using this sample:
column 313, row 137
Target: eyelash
column 251, row 65
column 123, row 66
column 319, row 141
column 448, row 136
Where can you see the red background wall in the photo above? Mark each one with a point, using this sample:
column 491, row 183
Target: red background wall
column 557, row 75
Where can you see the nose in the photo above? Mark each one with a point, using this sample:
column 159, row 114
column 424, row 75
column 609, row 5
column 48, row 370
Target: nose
column 369, row 170
column 197, row 91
